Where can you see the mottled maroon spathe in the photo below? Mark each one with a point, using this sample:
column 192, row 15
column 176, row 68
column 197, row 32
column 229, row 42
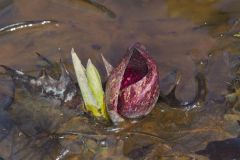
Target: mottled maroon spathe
column 132, row 88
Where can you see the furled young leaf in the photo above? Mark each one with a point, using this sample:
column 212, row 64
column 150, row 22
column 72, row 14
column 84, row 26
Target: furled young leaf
column 90, row 84
column 89, row 100
column 95, row 84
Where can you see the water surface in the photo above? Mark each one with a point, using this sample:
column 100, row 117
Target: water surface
column 184, row 35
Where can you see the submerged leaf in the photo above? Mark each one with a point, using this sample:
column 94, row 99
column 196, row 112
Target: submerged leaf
column 237, row 35
column 6, row 94
column 232, row 97
column 44, row 85
column 221, row 150
column 113, row 152
column 141, row 152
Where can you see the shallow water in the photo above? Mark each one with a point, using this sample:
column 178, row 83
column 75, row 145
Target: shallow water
column 190, row 36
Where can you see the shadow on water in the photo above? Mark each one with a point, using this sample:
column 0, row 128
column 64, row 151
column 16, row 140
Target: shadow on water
column 226, row 149
column 189, row 36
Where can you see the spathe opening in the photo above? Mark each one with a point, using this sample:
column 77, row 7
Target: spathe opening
column 136, row 69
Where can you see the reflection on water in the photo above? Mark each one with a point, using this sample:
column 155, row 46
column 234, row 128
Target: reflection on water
column 184, row 35
column 197, row 11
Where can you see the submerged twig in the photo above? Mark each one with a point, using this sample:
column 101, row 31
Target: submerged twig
column 26, row 24
column 200, row 95
column 146, row 135
column 43, row 58
column 63, row 154
column 101, row 7
column 94, row 5
column 88, row 135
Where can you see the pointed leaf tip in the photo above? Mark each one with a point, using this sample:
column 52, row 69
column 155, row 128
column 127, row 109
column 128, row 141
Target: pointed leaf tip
column 107, row 65
column 87, row 95
column 72, row 51
column 89, row 61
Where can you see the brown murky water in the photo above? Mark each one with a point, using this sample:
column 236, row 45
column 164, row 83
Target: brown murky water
column 187, row 35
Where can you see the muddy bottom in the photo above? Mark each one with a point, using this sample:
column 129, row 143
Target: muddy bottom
column 187, row 36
